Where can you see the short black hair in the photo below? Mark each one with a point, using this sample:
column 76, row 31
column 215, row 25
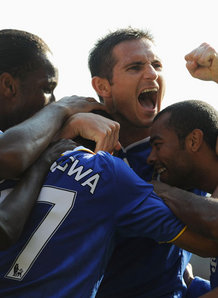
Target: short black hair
column 19, row 52
column 185, row 116
column 101, row 61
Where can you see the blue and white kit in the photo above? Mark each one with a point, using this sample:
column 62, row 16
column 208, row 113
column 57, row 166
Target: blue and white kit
column 141, row 267
column 89, row 202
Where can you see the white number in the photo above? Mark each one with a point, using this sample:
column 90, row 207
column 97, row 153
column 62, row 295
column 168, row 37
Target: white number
column 62, row 202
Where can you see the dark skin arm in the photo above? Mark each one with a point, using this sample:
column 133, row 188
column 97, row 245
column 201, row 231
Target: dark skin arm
column 211, row 294
column 22, row 144
column 200, row 214
column 16, row 206
column 197, row 244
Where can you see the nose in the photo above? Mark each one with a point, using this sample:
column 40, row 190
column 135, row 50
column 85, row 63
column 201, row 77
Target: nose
column 150, row 73
column 151, row 158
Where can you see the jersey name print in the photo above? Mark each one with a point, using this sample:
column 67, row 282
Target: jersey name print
column 78, row 172
column 88, row 202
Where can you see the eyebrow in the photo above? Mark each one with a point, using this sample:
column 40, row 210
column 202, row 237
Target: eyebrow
column 140, row 63
column 135, row 63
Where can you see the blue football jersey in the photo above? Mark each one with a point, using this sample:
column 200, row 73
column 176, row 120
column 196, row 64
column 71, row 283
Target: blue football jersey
column 87, row 204
column 141, row 267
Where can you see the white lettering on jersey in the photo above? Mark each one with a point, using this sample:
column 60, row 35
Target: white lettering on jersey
column 59, row 167
column 79, row 174
column 61, row 202
column 92, row 182
column 78, row 170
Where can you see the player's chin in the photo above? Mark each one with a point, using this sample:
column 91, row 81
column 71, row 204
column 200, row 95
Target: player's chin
column 148, row 117
column 165, row 178
column 146, row 121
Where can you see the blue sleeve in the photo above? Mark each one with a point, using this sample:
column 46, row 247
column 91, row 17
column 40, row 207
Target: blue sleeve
column 119, row 194
column 142, row 213
column 198, row 287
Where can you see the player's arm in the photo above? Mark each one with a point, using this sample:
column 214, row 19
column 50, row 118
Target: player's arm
column 197, row 244
column 21, row 145
column 16, row 206
column 211, row 294
column 202, row 63
column 103, row 131
column 199, row 213
column 141, row 213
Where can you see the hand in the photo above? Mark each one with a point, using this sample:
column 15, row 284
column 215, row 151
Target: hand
column 53, row 152
column 79, row 104
column 161, row 188
column 202, row 63
column 103, row 131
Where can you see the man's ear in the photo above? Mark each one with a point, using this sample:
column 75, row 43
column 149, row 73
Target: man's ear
column 194, row 140
column 102, row 86
column 7, row 84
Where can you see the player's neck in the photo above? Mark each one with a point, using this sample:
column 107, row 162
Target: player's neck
column 131, row 135
column 207, row 174
column 213, row 176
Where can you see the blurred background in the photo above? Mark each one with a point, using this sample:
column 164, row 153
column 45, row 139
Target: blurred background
column 72, row 27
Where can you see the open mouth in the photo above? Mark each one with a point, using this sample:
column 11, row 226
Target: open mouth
column 159, row 170
column 148, row 98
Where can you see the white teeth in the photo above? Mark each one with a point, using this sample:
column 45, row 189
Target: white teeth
column 161, row 170
column 149, row 90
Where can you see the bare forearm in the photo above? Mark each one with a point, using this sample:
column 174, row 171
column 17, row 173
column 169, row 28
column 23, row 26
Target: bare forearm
column 198, row 213
column 15, row 207
column 21, row 145
column 197, row 244
column 211, row 294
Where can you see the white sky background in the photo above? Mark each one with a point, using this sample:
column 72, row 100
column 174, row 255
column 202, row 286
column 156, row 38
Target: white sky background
column 71, row 28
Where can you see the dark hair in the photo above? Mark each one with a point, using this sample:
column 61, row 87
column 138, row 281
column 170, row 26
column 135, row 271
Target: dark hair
column 19, row 52
column 188, row 115
column 101, row 60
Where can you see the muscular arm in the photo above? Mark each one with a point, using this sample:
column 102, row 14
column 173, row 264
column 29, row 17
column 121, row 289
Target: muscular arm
column 16, row 206
column 199, row 213
column 197, row 244
column 211, row 294
column 21, row 145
